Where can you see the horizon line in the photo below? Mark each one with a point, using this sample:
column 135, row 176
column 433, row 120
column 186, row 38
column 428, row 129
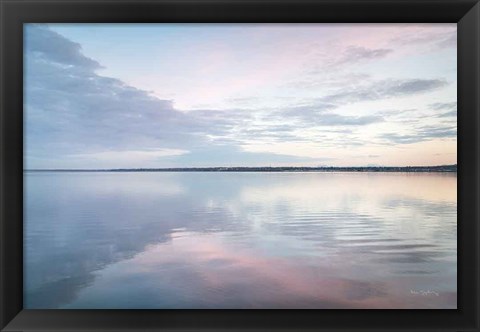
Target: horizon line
column 219, row 168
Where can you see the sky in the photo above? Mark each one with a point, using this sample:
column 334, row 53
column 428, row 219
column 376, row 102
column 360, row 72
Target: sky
column 201, row 95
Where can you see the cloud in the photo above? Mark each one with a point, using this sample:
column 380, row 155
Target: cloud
column 341, row 120
column 319, row 78
column 448, row 114
column 50, row 46
column 74, row 114
column 451, row 107
column 401, row 139
column 272, row 132
column 424, row 133
column 355, row 54
column 444, row 106
column 384, row 89
column 320, row 112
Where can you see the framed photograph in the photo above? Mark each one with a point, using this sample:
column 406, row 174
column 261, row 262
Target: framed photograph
column 232, row 165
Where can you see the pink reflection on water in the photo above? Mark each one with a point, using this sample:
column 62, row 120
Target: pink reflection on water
column 225, row 276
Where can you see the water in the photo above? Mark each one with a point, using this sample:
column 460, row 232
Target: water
column 240, row 240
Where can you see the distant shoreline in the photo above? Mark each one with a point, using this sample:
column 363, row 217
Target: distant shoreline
column 408, row 169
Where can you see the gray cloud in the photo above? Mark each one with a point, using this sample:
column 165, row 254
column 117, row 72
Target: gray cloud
column 384, row 89
column 319, row 115
column 309, row 109
column 49, row 46
column 400, row 113
column 354, row 54
column 351, row 55
column 320, row 112
column 401, row 139
column 341, row 120
column 329, row 80
column 444, row 106
column 424, row 133
column 332, row 119
column 448, row 114
column 72, row 111
column 450, row 107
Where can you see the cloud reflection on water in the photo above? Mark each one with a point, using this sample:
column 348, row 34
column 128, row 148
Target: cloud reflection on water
column 229, row 240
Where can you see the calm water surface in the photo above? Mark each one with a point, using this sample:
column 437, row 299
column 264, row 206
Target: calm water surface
column 240, row 240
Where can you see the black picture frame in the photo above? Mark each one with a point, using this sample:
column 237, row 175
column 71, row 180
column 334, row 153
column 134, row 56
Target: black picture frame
column 14, row 13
